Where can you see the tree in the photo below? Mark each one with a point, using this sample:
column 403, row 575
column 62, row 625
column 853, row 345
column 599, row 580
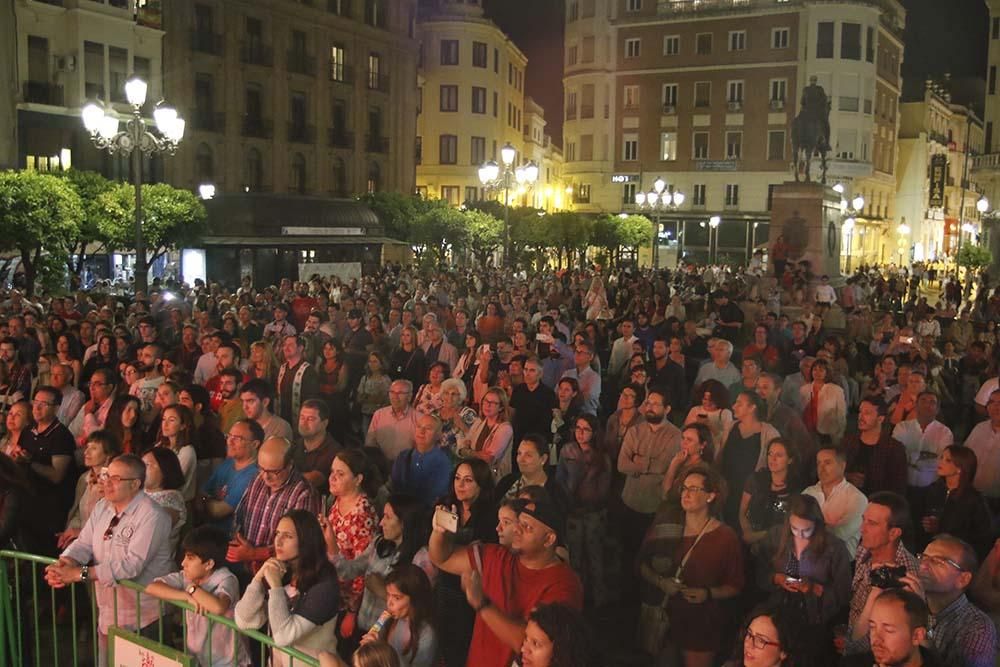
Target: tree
column 485, row 234
column 438, row 228
column 89, row 185
column 171, row 218
column 568, row 232
column 974, row 258
column 40, row 217
column 396, row 212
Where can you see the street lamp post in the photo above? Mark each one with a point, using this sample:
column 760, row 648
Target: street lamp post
column 657, row 201
column 491, row 176
column 713, row 248
column 134, row 140
column 850, row 210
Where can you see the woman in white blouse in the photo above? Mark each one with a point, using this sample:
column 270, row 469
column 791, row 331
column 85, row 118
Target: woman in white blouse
column 825, row 411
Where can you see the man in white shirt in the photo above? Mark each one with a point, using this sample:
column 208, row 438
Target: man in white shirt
column 72, row 398
column 621, row 350
column 984, row 440
column 590, row 381
column 392, row 427
column 826, row 296
column 719, row 368
column 924, row 439
column 841, row 502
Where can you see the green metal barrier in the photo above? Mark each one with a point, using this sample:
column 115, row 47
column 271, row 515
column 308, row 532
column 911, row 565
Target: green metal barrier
column 24, row 640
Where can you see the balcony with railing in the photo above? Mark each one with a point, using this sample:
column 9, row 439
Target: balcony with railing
column 300, row 63
column 986, row 162
column 210, row 121
column 339, row 138
column 43, row 92
column 206, row 42
column 254, row 53
column 376, row 143
column 301, row 133
column 257, row 128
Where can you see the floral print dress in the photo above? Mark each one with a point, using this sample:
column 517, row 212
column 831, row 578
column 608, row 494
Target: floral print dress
column 354, row 532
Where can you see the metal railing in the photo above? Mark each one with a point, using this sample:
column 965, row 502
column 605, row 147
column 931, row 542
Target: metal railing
column 23, row 641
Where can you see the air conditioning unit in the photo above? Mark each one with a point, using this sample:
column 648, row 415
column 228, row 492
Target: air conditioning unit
column 736, row 106
column 669, row 109
column 777, row 105
column 66, row 63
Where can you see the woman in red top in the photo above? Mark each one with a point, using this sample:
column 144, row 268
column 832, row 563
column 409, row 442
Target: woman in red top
column 351, row 525
column 490, row 324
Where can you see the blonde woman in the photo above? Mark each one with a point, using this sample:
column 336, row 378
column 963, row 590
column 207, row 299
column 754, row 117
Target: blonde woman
column 263, row 364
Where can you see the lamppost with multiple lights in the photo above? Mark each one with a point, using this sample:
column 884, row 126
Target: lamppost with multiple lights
column 491, row 176
column 657, row 200
column 850, row 210
column 134, row 140
column 713, row 230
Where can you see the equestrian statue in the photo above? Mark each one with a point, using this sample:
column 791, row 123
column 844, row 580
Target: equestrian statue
column 811, row 130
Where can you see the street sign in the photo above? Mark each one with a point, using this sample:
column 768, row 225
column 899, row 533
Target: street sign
column 939, row 169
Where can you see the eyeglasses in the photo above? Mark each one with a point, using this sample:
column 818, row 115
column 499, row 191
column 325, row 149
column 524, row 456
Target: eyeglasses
column 758, row 641
column 41, row 404
column 585, row 429
column 110, row 532
column 105, row 476
column 238, row 438
column 272, row 473
column 938, row 561
column 692, row 489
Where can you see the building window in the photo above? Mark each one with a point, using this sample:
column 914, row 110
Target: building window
column 586, row 147
column 698, row 196
column 573, row 12
column 633, row 6
column 449, row 98
column 204, row 169
column 630, row 147
column 668, row 146
column 374, row 183
column 779, row 90
column 630, row 96
column 472, row 193
column 734, row 145
column 142, row 68
column 374, row 71
column 118, row 63
column 478, row 100
column 732, row 195
column 850, row 41
column 824, row 40
column 738, row 40
column 628, row 194
column 670, row 91
column 995, row 28
column 570, row 151
column 700, row 145
column 735, row 92
column 449, row 149
column 870, row 45
column 632, row 46
column 779, row 38
column 450, row 194
column 991, row 80
column 703, row 44
column 449, row 51
column 338, row 177
column 776, row 145
column 478, row 145
column 253, row 173
column 298, row 181
column 338, row 64
column 702, row 94
column 375, row 13
column 479, row 57
column 587, row 49
column 571, row 56
column 496, row 61
column 581, row 195
column 988, row 137
column 496, row 104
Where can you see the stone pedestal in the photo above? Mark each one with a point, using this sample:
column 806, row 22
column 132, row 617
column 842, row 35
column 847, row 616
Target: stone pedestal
column 808, row 216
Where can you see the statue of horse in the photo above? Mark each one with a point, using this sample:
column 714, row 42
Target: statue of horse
column 809, row 138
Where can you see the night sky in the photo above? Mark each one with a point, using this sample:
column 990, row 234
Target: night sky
column 941, row 36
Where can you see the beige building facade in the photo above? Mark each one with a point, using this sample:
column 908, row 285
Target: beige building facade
column 702, row 95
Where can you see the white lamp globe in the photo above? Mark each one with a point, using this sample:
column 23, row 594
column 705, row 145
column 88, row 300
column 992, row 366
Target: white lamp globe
column 658, row 185
column 135, row 91
column 858, row 203
column 92, row 117
column 640, row 198
column 507, row 154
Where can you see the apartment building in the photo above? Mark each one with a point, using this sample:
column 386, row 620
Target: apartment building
column 702, row 94
column 985, row 172
column 305, row 97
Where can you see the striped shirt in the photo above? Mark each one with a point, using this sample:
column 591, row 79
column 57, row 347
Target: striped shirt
column 963, row 634
column 260, row 508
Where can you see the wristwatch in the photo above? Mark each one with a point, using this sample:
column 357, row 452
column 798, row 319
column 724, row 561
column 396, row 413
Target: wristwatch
column 84, row 573
column 191, row 589
column 485, row 603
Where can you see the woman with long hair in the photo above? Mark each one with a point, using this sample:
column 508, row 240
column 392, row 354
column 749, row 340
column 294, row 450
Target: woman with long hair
column 557, row 636
column 825, row 411
column 65, row 352
column 952, row 505
column 350, row 526
column 106, row 356
column 101, row 447
column 333, row 375
column 762, row 504
column 711, row 408
column 403, row 533
column 19, row 423
column 295, row 592
column 584, row 470
column 811, row 572
column 123, row 422
column 456, row 417
column 407, row 361
column 409, row 629
column 771, row 638
column 373, row 388
column 564, row 414
column 263, row 364
column 466, row 367
column 177, row 434
column 621, row 420
column 428, row 396
column 744, row 450
column 490, row 436
column 164, row 480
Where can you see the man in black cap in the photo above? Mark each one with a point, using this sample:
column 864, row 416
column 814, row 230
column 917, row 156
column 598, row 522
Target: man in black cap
column 503, row 585
column 276, row 330
column 357, row 341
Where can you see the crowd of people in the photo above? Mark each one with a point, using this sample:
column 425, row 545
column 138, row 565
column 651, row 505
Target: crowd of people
column 482, row 467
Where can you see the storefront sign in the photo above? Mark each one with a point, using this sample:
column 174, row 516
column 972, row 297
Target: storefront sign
column 322, row 231
column 131, row 650
column 715, row 165
column 939, row 168
column 624, row 178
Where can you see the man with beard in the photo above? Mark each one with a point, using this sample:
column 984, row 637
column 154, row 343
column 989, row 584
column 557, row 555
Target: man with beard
column 227, row 355
column 231, row 407
column 255, row 397
column 897, row 631
column 668, row 374
column 313, row 336
column 150, row 357
column 644, row 458
column 297, row 380
column 875, row 460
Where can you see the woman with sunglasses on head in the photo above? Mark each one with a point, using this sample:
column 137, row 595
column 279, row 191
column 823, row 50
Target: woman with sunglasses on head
column 811, row 573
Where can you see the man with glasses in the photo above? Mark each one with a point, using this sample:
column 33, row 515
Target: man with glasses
column 962, row 633
column 95, row 411
column 226, row 486
column 50, row 448
column 278, row 488
column 126, row 537
column 391, row 428
column 590, row 381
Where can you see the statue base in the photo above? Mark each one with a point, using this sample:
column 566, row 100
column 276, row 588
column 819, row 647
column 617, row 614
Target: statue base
column 807, row 216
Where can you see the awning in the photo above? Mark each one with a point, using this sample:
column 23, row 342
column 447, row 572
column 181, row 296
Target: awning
column 295, row 241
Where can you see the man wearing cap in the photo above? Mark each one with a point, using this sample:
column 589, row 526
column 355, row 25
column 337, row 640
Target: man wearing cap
column 357, row 341
column 280, row 327
column 503, row 585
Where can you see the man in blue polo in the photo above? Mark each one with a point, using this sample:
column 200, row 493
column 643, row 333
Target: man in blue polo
column 424, row 471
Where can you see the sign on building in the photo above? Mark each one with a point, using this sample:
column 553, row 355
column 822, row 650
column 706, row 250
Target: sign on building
column 939, row 170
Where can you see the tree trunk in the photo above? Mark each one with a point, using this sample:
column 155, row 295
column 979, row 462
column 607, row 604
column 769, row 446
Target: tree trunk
column 29, row 274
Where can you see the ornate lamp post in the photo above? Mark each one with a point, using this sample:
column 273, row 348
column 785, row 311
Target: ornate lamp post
column 657, row 200
column 713, row 248
column 135, row 139
column 850, row 210
column 492, row 177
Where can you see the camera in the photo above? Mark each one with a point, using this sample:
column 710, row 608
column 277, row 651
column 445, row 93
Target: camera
column 887, row 576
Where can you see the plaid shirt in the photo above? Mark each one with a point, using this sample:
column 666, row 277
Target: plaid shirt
column 862, row 588
column 964, row 635
column 260, row 508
